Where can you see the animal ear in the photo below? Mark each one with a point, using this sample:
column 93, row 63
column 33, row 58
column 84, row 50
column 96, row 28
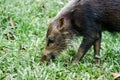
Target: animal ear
column 61, row 23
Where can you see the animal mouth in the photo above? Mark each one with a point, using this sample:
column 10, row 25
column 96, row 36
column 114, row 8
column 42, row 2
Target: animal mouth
column 48, row 57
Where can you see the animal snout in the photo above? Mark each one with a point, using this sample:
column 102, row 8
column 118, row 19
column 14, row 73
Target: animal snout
column 46, row 56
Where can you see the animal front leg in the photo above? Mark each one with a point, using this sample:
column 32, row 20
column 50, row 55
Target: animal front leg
column 85, row 45
column 97, row 51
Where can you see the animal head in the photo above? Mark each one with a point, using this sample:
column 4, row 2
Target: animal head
column 56, row 38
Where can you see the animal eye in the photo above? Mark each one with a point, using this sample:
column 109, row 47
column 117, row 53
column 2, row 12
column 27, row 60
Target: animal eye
column 51, row 40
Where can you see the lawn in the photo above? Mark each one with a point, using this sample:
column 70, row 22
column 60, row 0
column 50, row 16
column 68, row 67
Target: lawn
column 23, row 26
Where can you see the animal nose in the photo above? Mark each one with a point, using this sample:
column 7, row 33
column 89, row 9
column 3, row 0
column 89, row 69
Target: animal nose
column 45, row 56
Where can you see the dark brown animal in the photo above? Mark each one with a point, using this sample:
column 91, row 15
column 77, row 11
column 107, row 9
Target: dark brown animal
column 87, row 18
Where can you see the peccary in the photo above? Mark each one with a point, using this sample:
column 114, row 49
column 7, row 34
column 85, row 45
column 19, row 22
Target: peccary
column 87, row 18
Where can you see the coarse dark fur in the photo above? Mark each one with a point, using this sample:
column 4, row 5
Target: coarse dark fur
column 87, row 18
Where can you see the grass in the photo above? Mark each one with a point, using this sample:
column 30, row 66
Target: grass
column 21, row 46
